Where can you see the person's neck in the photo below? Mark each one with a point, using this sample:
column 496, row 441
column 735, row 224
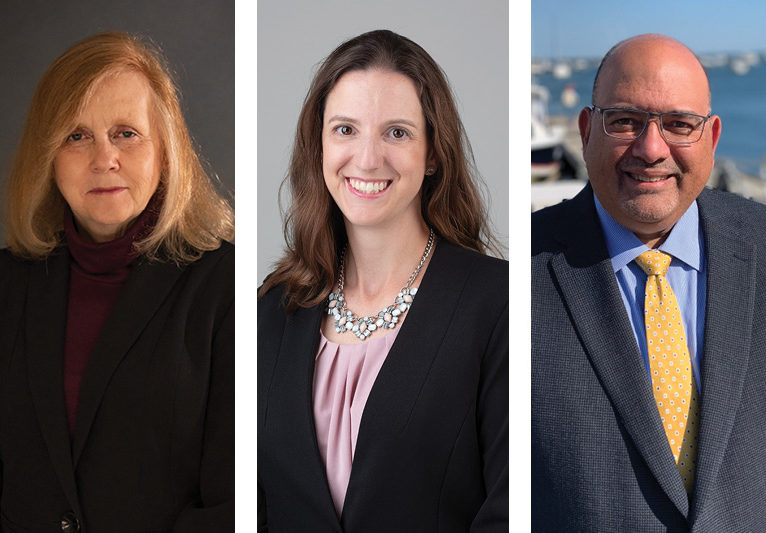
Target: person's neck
column 380, row 260
column 653, row 240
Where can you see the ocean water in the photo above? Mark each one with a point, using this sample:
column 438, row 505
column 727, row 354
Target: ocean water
column 740, row 101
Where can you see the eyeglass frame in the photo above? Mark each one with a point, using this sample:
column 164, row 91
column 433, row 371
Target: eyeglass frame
column 649, row 116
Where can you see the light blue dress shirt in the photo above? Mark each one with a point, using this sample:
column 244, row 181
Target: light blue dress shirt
column 686, row 276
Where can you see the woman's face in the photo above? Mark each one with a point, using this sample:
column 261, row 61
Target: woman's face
column 374, row 147
column 109, row 166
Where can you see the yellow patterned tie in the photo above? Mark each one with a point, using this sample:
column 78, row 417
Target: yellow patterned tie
column 675, row 392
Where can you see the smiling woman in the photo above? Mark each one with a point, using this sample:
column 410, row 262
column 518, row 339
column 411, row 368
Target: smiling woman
column 375, row 149
column 391, row 416
column 117, row 323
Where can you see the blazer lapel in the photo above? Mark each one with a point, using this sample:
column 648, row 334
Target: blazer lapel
column 401, row 377
column 731, row 285
column 590, row 291
column 146, row 288
column 291, row 411
column 45, row 330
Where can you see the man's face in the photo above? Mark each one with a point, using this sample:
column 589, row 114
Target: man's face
column 647, row 184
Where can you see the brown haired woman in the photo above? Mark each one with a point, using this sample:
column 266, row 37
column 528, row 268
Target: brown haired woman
column 383, row 331
column 116, row 329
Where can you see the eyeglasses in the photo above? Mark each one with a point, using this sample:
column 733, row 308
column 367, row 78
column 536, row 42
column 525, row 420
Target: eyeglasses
column 629, row 124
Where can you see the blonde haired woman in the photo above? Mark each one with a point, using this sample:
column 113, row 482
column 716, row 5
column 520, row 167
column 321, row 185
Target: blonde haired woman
column 116, row 333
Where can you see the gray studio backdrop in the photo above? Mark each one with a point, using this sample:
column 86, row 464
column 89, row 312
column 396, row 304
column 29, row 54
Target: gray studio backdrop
column 469, row 40
column 197, row 36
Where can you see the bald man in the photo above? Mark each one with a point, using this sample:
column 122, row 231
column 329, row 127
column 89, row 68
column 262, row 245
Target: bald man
column 648, row 329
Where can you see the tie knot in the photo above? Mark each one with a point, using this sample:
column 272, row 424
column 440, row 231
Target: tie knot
column 654, row 262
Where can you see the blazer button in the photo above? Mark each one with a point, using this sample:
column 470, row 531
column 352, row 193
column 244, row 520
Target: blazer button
column 69, row 523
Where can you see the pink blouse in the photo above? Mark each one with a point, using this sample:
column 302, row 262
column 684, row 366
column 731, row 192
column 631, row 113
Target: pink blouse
column 343, row 377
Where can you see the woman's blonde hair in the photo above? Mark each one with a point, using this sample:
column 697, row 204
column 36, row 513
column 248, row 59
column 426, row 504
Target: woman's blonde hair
column 193, row 216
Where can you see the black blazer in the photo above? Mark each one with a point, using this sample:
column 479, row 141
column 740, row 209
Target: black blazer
column 432, row 450
column 600, row 458
column 153, row 446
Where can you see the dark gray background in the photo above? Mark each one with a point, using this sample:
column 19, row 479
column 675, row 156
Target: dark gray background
column 197, row 37
column 469, row 40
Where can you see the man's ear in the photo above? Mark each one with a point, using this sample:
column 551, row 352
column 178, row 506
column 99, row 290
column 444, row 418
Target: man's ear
column 584, row 123
column 715, row 129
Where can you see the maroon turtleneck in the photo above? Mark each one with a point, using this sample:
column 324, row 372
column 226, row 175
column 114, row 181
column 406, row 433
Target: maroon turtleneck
column 97, row 275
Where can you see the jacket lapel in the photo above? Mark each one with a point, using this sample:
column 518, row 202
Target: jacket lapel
column 396, row 387
column 731, row 284
column 295, row 376
column 146, row 288
column 590, row 291
column 401, row 377
column 46, row 312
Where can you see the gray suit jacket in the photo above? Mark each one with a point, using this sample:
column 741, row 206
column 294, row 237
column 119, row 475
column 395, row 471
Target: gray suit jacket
column 600, row 459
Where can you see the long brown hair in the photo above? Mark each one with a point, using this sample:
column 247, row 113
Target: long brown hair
column 450, row 199
column 193, row 217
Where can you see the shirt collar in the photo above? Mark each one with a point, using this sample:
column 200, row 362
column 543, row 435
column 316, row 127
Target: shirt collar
column 684, row 242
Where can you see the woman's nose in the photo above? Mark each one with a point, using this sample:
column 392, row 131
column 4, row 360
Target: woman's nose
column 105, row 156
column 370, row 154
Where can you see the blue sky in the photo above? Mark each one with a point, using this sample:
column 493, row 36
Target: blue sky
column 588, row 28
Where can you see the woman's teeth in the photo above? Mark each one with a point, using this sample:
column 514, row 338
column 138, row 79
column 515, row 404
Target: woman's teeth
column 368, row 187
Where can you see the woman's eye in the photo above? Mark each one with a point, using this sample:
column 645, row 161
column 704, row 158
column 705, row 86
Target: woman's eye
column 398, row 133
column 344, row 130
column 75, row 137
column 127, row 134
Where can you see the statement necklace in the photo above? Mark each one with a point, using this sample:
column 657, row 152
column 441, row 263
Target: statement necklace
column 387, row 318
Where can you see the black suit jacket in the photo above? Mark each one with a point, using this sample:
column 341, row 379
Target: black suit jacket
column 432, row 450
column 152, row 449
column 600, row 459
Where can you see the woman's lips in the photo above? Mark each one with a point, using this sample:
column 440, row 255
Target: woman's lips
column 107, row 190
column 367, row 188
